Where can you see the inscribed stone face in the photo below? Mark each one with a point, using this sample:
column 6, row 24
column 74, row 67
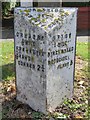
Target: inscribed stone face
column 44, row 52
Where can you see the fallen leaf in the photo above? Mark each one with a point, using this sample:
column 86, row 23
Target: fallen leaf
column 13, row 88
column 81, row 82
column 78, row 116
column 9, row 89
column 29, row 113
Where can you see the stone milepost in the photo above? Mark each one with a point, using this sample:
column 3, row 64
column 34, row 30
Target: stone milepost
column 44, row 55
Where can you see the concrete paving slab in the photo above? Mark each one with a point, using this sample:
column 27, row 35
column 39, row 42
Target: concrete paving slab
column 8, row 34
column 83, row 38
column 6, row 40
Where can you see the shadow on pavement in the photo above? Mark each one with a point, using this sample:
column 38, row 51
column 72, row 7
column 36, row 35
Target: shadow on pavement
column 83, row 32
column 8, row 28
column 8, row 22
column 7, row 33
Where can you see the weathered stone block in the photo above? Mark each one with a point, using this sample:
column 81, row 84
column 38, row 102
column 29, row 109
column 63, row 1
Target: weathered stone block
column 45, row 55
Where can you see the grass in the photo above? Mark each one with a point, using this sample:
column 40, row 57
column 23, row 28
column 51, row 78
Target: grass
column 7, row 56
column 8, row 73
column 7, row 52
column 82, row 50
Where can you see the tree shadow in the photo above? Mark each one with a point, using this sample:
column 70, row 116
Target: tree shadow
column 8, row 71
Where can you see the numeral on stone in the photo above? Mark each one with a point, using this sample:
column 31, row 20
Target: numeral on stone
column 38, row 67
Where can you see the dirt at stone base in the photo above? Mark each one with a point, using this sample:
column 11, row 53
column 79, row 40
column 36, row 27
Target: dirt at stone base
column 77, row 107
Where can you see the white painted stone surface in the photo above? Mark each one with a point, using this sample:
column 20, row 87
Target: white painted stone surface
column 45, row 51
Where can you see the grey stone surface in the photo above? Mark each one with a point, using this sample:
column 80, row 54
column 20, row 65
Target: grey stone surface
column 45, row 51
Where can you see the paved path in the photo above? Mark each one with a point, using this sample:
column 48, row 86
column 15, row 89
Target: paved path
column 8, row 34
column 83, row 38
